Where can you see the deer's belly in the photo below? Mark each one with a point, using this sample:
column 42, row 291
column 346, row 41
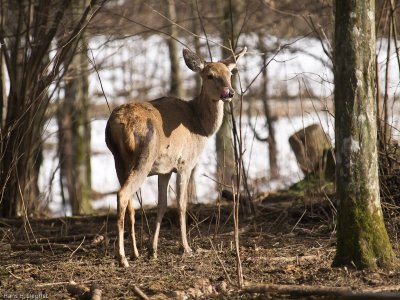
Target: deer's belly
column 164, row 165
column 167, row 163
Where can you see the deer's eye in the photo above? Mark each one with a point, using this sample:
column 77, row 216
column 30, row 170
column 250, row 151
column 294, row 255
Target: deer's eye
column 210, row 76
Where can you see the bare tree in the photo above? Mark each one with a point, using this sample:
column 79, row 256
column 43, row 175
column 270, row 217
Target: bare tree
column 361, row 237
column 27, row 35
column 273, row 152
column 74, row 126
column 175, row 83
column 3, row 95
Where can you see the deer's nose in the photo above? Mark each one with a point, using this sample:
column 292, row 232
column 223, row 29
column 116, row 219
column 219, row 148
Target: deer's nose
column 227, row 93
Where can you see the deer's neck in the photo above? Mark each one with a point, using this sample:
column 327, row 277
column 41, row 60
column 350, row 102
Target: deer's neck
column 210, row 112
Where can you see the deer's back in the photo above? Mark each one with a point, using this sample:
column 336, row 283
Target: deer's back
column 168, row 125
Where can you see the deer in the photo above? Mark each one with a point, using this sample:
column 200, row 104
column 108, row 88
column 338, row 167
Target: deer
column 163, row 136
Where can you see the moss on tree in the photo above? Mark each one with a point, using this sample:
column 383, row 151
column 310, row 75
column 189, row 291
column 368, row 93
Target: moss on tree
column 362, row 239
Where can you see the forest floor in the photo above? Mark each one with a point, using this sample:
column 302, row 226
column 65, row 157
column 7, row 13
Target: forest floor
column 286, row 252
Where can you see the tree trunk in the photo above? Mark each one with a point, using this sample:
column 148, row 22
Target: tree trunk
column 74, row 129
column 175, row 88
column 176, row 82
column 192, row 190
column 196, row 41
column 20, row 165
column 273, row 153
column 82, row 130
column 224, row 143
column 3, row 95
column 225, row 152
column 361, row 235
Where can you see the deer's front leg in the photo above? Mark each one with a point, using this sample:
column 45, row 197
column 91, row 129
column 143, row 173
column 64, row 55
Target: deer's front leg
column 182, row 183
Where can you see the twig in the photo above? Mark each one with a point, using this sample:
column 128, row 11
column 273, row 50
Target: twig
column 203, row 28
column 51, row 249
column 139, row 293
column 279, row 50
column 15, row 276
column 386, row 95
column 236, row 202
column 69, row 238
column 145, row 26
column 189, row 31
column 256, row 135
column 57, row 283
column 142, row 214
column 216, row 181
column 196, row 221
column 38, row 247
column 220, row 261
column 92, row 60
column 298, row 221
column 394, row 23
column 291, row 259
column 73, row 252
column 328, row 52
column 106, row 241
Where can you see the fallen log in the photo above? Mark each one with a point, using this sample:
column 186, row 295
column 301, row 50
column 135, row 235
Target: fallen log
column 82, row 292
column 95, row 292
column 297, row 289
column 388, row 292
column 43, row 247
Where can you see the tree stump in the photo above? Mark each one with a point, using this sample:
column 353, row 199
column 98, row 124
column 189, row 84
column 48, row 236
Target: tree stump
column 312, row 150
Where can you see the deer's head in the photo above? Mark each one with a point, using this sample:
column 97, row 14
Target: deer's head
column 216, row 76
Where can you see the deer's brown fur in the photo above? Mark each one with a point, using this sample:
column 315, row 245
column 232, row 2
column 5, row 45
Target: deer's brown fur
column 163, row 136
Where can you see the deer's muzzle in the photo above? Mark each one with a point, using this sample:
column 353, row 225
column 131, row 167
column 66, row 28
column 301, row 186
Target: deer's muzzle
column 227, row 94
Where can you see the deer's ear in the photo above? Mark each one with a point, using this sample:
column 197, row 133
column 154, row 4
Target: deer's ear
column 230, row 62
column 193, row 61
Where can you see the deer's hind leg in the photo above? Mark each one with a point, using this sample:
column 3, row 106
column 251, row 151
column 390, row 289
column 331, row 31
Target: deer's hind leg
column 122, row 202
column 129, row 186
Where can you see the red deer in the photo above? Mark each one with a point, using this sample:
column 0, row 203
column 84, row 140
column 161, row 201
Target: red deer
column 163, row 136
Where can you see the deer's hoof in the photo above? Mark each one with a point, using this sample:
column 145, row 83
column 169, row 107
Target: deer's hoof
column 123, row 262
column 187, row 252
column 134, row 255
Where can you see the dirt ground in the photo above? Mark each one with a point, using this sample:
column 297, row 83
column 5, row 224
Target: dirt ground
column 290, row 245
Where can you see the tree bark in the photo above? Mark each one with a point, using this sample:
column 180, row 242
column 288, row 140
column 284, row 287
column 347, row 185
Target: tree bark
column 361, row 235
column 196, row 42
column 176, row 82
column 192, row 190
column 3, row 95
column 74, row 128
column 82, row 130
column 272, row 151
column 224, row 140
